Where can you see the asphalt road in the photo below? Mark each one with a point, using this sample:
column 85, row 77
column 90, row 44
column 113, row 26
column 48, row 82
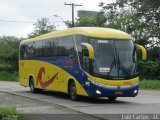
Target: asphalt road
column 49, row 103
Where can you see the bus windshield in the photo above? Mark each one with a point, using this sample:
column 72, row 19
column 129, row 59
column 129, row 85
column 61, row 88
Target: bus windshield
column 114, row 59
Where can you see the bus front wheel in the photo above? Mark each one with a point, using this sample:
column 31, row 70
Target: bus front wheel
column 73, row 91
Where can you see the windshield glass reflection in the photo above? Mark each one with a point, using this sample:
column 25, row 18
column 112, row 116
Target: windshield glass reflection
column 114, row 58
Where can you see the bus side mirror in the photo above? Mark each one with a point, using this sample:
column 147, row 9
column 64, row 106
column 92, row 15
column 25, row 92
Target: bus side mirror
column 90, row 50
column 144, row 53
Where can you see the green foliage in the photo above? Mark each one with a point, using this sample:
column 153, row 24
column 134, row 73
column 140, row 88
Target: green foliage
column 86, row 21
column 68, row 23
column 150, row 84
column 149, row 70
column 9, row 47
column 6, row 68
column 90, row 21
column 153, row 54
column 42, row 26
column 7, row 76
column 10, row 113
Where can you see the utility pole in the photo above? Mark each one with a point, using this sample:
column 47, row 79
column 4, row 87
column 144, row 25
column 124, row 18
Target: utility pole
column 72, row 4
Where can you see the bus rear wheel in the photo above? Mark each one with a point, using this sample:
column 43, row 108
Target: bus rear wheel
column 31, row 85
column 73, row 91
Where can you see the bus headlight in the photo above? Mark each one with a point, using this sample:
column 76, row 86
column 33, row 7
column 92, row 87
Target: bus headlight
column 98, row 92
column 135, row 91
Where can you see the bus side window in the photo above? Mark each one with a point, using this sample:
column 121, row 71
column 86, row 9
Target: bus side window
column 30, row 50
column 38, row 49
column 68, row 46
column 22, row 51
column 47, row 48
column 54, row 47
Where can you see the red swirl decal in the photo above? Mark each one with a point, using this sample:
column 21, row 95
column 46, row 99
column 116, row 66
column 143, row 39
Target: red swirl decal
column 39, row 78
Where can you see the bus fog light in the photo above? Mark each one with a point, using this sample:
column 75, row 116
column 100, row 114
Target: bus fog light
column 135, row 91
column 98, row 92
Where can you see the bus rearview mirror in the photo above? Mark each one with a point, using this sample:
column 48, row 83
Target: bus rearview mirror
column 144, row 53
column 90, row 50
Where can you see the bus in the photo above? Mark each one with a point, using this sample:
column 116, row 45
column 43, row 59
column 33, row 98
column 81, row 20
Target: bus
column 81, row 61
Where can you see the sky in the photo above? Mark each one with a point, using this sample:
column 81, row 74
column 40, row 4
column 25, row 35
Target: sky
column 28, row 12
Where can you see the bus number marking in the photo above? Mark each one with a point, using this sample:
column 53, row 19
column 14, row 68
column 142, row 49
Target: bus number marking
column 103, row 41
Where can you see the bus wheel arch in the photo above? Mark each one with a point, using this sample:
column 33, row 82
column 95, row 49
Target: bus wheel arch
column 72, row 90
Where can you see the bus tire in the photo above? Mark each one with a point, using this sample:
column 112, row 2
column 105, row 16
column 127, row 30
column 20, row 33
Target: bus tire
column 73, row 91
column 112, row 99
column 31, row 85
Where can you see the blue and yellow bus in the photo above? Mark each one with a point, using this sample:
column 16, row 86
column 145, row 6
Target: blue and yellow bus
column 81, row 61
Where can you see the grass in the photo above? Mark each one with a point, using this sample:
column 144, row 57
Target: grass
column 150, row 84
column 5, row 76
column 8, row 111
column 10, row 114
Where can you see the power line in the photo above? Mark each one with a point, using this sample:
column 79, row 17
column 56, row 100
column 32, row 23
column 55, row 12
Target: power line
column 16, row 21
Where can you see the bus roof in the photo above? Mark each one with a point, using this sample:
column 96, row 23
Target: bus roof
column 87, row 31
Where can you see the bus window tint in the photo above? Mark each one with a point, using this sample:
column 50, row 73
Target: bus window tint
column 54, row 47
column 63, row 46
column 23, row 51
column 38, row 49
column 30, row 50
column 67, row 46
column 47, row 48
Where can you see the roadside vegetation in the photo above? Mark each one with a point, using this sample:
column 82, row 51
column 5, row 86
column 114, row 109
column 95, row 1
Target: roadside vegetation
column 8, row 76
column 150, row 84
column 10, row 114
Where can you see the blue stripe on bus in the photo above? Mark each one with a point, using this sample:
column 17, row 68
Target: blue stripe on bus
column 72, row 67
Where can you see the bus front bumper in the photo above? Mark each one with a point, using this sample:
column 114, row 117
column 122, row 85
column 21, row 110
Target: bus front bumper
column 114, row 91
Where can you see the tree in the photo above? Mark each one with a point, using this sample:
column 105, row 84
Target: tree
column 141, row 18
column 42, row 26
column 85, row 21
column 9, row 47
column 68, row 23
column 91, row 21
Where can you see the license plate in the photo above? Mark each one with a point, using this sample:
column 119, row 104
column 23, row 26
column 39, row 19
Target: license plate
column 119, row 93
